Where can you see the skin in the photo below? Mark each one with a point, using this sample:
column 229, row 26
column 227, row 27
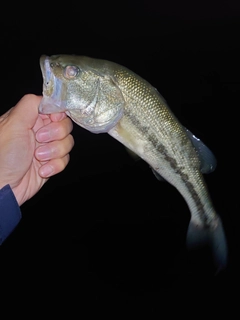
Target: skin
column 33, row 147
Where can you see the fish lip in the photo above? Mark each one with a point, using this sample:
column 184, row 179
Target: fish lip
column 46, row 69
column 50, row 103
column 43, row 59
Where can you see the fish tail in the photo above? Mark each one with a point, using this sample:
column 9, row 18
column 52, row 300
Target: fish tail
column 198, row 236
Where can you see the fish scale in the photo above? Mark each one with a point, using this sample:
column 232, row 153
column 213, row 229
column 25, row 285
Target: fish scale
column 102, row 96
column 149, row 127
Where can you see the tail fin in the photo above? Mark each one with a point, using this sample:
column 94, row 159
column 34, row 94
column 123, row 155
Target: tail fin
column 215, row 238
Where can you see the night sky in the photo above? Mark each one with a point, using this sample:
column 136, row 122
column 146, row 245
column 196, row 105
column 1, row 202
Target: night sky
column 106, row 227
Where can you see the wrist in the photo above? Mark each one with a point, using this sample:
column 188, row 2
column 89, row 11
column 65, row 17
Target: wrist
column 7, row 185
column 3, row 184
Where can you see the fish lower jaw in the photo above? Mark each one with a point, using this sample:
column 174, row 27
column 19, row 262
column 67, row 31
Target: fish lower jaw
column 49, row 105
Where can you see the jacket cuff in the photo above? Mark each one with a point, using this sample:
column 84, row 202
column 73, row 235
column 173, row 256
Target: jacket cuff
column 10, row 213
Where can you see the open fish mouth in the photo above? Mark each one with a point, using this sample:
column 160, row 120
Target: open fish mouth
column 93, row 116
column 52, row 100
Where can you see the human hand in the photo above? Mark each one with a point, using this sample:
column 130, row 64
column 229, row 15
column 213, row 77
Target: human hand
column 33, row 147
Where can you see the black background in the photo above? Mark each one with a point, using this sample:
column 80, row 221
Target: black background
column 105, row 235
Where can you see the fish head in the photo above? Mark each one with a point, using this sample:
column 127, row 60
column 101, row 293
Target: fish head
column 84, row 89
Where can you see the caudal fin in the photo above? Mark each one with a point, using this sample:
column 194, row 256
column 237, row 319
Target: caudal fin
column 215, row 238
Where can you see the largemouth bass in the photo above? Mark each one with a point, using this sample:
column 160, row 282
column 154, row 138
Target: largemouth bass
column 102, row 96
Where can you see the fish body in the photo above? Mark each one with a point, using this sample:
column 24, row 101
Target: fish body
column 102, row 96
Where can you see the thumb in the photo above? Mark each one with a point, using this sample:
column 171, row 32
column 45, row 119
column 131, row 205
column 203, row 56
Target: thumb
column 26, row 110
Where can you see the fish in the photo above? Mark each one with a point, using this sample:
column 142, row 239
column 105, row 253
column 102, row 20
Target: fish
column 103, row 96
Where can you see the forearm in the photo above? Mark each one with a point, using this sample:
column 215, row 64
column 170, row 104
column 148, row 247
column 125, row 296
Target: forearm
column 10, row 214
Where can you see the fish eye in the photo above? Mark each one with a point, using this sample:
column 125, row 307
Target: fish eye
column 71, row 72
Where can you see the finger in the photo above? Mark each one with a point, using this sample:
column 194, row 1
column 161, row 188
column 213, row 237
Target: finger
column 55, row 149
column 44, row 116
column 54, row 166
column 54, row 130
column 28, row 105
column 58, row 116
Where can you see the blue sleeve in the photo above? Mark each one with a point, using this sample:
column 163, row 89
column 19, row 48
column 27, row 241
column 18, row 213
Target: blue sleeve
column 10, row 213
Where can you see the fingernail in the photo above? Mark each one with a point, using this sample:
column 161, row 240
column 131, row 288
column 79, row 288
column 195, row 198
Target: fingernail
column 43, row 135
column 43, row 153
column 46, row 171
